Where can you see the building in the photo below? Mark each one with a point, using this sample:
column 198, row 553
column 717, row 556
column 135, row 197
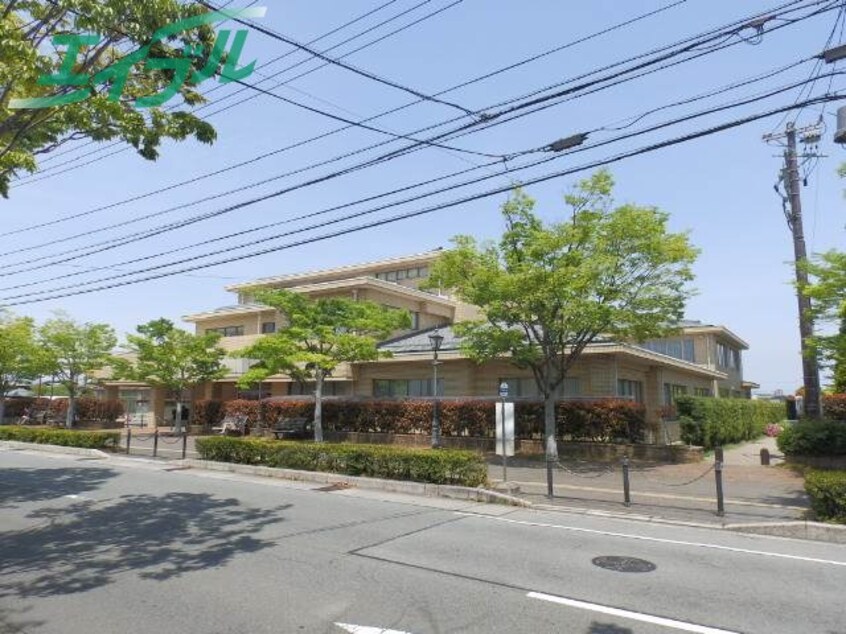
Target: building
column 702, row 360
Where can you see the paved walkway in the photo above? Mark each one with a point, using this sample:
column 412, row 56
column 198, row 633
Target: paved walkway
column 686, row 492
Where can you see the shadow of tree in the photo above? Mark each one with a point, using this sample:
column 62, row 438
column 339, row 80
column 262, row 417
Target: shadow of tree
column 10, row 622
column 28, row 485
column 85, row 545
column 607, row 628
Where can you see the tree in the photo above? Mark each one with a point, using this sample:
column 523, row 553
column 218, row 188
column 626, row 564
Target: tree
column 827, row 291
column 165, row 356
column 72, row 351
column 29, row 53
column 320, row 335
column 546, row 292
column 20, row 358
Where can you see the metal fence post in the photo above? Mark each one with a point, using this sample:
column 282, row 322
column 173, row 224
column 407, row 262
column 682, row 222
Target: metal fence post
column 184, row 444
column 128, row 439
column 155, row 442
column 627, row 497
column 718, row 474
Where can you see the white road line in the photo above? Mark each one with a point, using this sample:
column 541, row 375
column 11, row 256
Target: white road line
column 365, row 629
column 659, row 540
column 627, row 614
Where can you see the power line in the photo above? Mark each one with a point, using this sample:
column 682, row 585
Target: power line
column 120, row 241
column 470, row 198
column 464, row 84
column 513, row 109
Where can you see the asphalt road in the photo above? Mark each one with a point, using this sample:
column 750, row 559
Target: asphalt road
column 127, row 545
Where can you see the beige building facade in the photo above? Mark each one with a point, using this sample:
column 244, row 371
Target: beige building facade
column 702, row 359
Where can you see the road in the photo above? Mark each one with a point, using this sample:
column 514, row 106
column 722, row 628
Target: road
column 131, row 545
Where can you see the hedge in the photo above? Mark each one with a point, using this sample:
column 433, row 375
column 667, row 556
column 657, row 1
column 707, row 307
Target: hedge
column 834, row 406
column 87, row 408
column 603, row 421
column 64, row 437
column 712, row 422
column 443, row 466
column 813, row 438
column 827, row 490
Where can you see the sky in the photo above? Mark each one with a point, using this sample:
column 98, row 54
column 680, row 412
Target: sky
column 719, row 187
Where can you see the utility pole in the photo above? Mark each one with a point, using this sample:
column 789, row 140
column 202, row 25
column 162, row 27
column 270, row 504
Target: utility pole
column 792, row 202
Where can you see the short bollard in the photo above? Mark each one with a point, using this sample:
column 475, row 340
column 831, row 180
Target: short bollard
column 155, row 442
column 627, row 497
column 718, row 474
column 550, row 493
column 184, row 444
column 128, row 439
column 765, row 457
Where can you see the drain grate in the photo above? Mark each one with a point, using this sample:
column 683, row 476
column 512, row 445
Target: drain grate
column 623, row 564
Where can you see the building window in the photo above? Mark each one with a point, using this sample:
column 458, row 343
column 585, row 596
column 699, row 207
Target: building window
column 228, row 331
column 701, row 391
column 728, row 357
column 672, row 392
column 403, row 274
column 632, row 389
column 268, row 328
column 415, row 320
column 677, row 348
column 400, row 388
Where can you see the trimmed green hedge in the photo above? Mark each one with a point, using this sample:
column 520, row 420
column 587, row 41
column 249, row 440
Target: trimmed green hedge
column 443, row 466
column 813, row 438
column 63, row 437
column 828, row 494
column 834, row 406
column 713, row 422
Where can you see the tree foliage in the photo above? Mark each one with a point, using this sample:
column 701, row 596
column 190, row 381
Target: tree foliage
column 20, row 357
column 74, row 350
column 320, row 335
column 547, row 291
column 827, row 291
column 27, row 52
column 165, row 356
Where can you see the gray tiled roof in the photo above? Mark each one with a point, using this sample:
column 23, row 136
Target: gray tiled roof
column 419, row 341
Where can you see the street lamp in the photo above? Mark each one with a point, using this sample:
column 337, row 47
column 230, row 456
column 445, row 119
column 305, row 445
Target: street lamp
column 435, row 340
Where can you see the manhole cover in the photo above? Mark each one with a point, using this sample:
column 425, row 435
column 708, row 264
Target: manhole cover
column 623, row 564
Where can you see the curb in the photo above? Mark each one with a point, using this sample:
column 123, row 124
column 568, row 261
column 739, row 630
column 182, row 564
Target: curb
column 32, row 446
column 816, row 531
column 394, row 486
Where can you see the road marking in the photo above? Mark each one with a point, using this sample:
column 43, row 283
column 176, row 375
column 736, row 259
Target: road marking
column 364, row 629
column 659, row 540
column 627, row 614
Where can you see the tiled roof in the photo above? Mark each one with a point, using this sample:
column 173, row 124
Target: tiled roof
column 419, row 341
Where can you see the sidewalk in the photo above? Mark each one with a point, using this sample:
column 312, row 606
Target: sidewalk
column 684, row 492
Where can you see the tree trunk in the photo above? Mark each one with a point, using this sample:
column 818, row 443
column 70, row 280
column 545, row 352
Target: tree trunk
column 2, row 407
column 177, row 424
column 318, row 406
column 71, row 408
column 551, row 444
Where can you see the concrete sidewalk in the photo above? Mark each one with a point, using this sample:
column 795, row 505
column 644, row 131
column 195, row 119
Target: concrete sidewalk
column 682, row 492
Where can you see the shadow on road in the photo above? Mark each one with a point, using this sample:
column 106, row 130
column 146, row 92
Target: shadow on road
column 607, row 628
column 28, row 485
column 11, row 623
column 86, row 545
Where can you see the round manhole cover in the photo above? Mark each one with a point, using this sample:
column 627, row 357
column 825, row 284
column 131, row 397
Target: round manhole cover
column 623, row 564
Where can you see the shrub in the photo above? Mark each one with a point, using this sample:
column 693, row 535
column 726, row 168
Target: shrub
column 712, row 422
column 207, row 412
column 444, row 466
column 87, row 408
column 814, row 438
column 827, row 490
column 63, row 437
column 606, row 421
column 834, row 406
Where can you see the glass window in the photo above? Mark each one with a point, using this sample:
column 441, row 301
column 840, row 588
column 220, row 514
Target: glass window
column 423, row 271
column 268, row 327
column 701, row 391
column 391, row 276
column 415, row 320
column 228, row 331
column 401, row 275
column 631, row 389
column 412, row 273
column 672, row 392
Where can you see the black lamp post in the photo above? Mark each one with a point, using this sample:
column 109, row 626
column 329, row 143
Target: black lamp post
column 435, row 340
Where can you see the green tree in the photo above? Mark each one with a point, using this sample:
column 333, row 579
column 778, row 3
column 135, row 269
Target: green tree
column 27, row 52
column 827, row 291
column 20, row 357
column 165, row 356
column 73, row 351
column 547, row 291
column 320, row 334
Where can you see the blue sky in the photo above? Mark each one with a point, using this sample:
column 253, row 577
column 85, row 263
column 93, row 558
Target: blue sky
column 720, row 188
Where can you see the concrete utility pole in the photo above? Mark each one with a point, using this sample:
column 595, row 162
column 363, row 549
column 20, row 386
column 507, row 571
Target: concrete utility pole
column 793, row 214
